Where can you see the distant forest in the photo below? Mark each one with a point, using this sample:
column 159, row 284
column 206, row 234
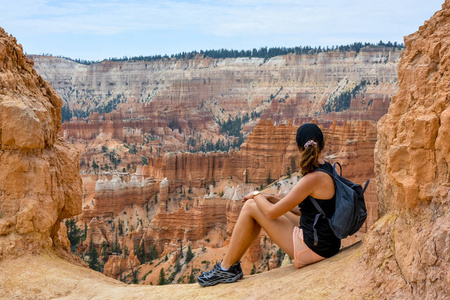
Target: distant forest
column 263, row 52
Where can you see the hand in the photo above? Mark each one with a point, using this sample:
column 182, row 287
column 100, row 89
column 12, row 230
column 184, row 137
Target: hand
column 247, row 197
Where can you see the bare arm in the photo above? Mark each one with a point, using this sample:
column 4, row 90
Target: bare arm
column 271, row 198
column 267, row 203
column 274, row 199
column 305, row 187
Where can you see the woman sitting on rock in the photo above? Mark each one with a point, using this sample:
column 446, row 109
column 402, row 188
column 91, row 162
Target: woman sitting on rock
column 280, row 218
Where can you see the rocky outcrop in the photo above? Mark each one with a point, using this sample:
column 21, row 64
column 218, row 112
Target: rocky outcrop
column 268, row 151
column 113, row 196
column 118, row 265
column 39, row 181
column 192, row 221
column 147, row 122
column 408, row 249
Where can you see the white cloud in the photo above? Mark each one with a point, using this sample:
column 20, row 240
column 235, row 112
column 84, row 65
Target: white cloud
column 206, row 23
column 221, row 18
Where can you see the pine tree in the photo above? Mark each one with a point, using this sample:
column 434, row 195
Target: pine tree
column 93, row 258
column 95, row 165
column 153, row 254
column 189, row 254
column 192, row 277
column 177, row 266
column 269, row 180
column 73, row 233
column 104, row 252
column 134, row 274
column 142, row 258
column 162, row 277
column 120, row 225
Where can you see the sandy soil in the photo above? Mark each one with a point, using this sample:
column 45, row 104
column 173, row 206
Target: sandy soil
column 47, row 276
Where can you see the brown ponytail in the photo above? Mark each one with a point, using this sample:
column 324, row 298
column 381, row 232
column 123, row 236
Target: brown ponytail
column 309, row 160
column 310, row 141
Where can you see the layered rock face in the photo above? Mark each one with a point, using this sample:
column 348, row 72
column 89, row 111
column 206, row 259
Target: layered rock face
column 177, row 100
column 39, row 180
column 267, row 152
column 223, row 86
column 409, row 247
column 112, row 197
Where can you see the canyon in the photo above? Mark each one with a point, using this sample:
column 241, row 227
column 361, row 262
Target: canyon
column 185, row 204
column 215, row 129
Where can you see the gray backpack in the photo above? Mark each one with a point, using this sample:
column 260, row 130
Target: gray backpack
column 350, row 212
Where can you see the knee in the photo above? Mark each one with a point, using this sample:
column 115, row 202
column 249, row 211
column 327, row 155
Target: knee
column 249, row 205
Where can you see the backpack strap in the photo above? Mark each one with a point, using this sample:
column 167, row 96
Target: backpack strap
column 317, row 206
column 365, row 186
column 321, row 213
column 334, row 166
column 324, row 171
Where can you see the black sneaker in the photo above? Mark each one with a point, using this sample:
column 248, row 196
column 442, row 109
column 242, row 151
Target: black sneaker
column 217, row 275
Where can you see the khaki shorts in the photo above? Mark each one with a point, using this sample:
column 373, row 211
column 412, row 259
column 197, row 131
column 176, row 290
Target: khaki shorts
column 303, row 255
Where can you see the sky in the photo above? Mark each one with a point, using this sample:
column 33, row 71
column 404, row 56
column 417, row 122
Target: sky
column 96, row 30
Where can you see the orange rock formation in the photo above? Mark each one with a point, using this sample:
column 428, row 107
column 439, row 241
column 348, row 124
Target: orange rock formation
column 39, row 181
column 409, row 247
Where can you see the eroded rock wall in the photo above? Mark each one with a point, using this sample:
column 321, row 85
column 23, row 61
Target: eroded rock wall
column 222, row 86
column 408, row 249
column 39, row 180
column 180, row 101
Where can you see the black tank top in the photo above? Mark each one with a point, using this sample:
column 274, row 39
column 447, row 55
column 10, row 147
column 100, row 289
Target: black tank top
column 328, row 244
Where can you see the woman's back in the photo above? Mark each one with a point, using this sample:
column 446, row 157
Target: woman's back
column 328, row 244
column 325, row 185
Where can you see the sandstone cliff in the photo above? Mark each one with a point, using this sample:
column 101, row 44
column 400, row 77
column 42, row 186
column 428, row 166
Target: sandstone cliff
column 39, row 181
column 410, row 244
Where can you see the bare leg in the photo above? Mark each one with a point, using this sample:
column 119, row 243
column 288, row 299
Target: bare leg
column 295, row 219
column 254, row 235
column 248, row 225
